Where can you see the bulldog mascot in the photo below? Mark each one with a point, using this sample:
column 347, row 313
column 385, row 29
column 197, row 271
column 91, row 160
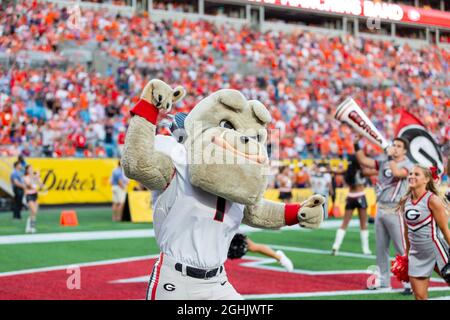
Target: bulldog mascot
column 212, row 182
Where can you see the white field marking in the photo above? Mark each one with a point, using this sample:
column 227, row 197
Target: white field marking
column 438, row 280
column 441, row 298
column 327, row 224
column 330, row 293
column 259, row 263
column 325, row 252
column 320, row 251
column 126, row 234
column 149, row 233
column 88, row 235
column 147, row 278
column 334, row 224
column 83, row 264
column 77, row 236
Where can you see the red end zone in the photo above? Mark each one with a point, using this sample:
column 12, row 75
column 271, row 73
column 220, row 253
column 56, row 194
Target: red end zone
column 97, row 282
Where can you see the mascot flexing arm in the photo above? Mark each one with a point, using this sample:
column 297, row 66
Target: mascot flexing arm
column 139, row 160
column 212, row 182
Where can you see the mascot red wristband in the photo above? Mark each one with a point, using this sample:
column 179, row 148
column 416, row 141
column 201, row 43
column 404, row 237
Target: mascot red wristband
column 145, row 110
column 291, row 214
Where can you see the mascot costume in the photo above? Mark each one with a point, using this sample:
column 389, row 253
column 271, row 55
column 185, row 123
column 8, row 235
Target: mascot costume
column 212, row 181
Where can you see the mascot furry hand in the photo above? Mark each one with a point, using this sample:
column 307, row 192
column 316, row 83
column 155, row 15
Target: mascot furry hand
column 212, row 181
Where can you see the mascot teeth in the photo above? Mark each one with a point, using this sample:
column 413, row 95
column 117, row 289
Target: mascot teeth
column 219, row 141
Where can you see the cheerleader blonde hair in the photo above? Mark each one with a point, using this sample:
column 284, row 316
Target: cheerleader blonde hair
column 431, row 186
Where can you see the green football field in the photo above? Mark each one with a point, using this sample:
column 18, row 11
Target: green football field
column 106, row 240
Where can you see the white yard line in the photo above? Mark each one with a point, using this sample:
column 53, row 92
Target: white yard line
column 257, row 262
column 83, row 264
column 77, row 236
column 324, row 252
column 87, row 235
column 125, row 234
column 327, row 224
column 441, row 298
column 261, row 265
column 334, row 224
column 149, row 233
column 330, row 293
column 328, row 252
column 93, row 263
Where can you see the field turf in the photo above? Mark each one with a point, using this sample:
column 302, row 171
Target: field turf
column 309, row 250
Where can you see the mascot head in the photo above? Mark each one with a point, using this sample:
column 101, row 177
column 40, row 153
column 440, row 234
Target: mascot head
column 226, row 142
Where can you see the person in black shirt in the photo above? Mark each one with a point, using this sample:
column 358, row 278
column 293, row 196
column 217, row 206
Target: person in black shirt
column 18, row 189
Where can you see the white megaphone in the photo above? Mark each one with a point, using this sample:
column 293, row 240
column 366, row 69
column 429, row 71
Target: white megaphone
column 349, row 112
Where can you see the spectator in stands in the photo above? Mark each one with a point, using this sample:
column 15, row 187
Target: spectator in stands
column 80, row 144
column 121, row 141
column 18, row 190
column 337, row 178
column 356, row 199
column 321, row 183
column 284, row 184
column 302, row 176
column 299, row 76
column 48, row 137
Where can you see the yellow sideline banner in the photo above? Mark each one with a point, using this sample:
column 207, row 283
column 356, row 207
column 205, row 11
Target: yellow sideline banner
column 5, row 171
column 140, row 206
column 334, row 163
column 75, row 180
column 72, row 180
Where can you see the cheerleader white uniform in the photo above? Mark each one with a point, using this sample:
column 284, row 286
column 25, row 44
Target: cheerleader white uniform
column 427, row 245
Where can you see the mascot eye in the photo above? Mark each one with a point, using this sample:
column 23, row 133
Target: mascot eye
column 226, row 124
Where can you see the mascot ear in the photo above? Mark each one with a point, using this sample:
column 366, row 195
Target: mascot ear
column 233, row 99
column 260, row 111
column 178, row 93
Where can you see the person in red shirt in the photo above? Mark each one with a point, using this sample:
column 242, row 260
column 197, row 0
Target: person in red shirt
column 80, row 144
column 121, row 140
column 302, row 176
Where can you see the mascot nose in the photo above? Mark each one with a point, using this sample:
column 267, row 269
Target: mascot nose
column 244, row 139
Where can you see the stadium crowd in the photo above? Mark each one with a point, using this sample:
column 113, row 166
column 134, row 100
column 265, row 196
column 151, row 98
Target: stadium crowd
column 301, row 77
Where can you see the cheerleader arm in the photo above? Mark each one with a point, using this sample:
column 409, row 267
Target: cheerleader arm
column 405, row 234
column 438, row 210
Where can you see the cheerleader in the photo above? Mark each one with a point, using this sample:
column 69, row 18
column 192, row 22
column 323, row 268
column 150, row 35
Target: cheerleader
column 284, row 182
column 356, row 199
column 426, row 224
column 32, row 184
